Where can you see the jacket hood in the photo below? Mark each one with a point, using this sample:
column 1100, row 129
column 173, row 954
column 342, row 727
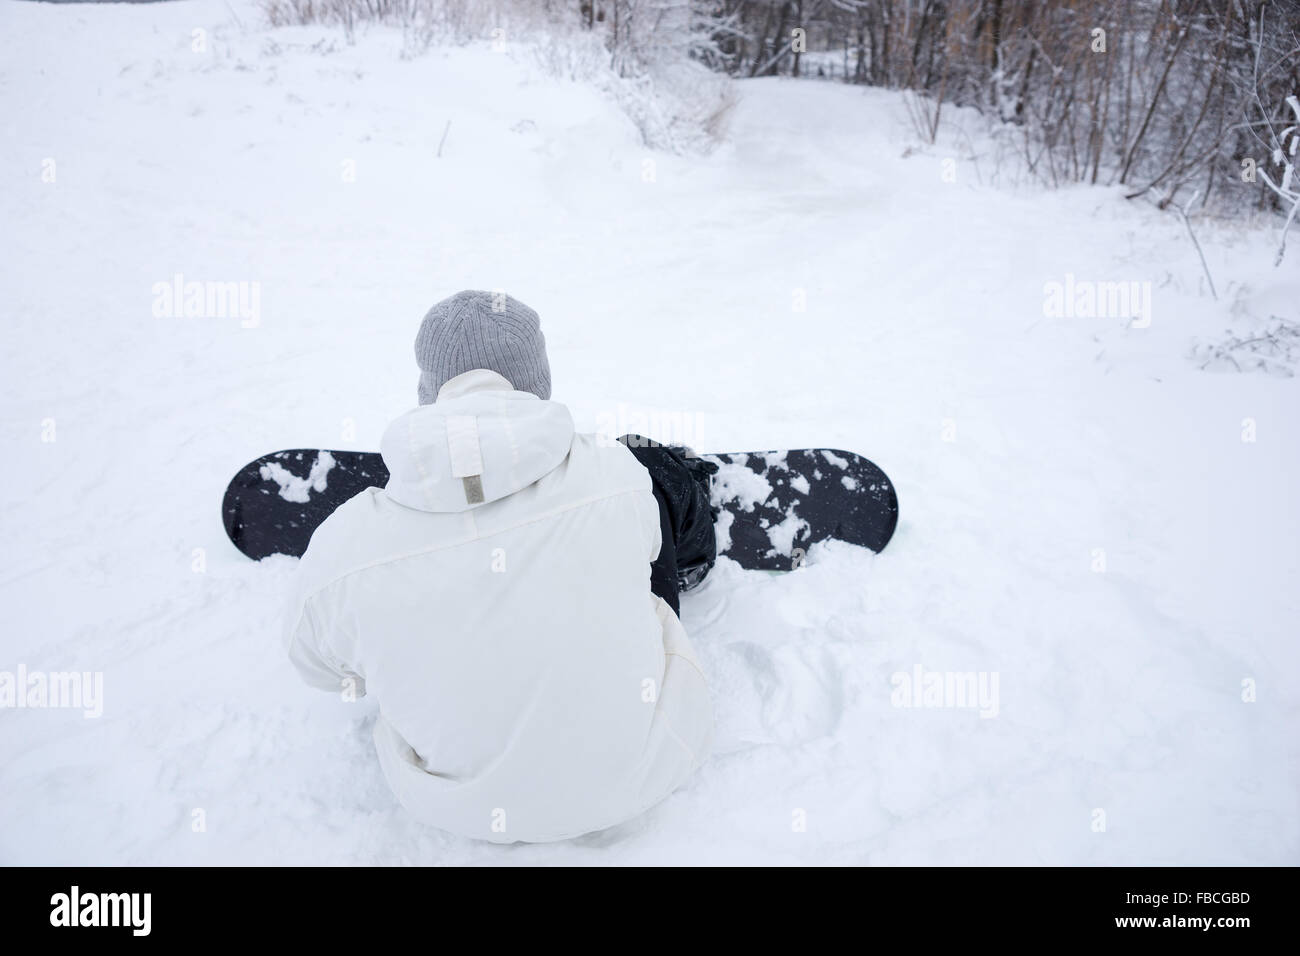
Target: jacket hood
column 479, row 441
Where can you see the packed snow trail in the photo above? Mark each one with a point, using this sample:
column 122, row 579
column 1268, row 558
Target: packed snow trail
column 1081, row 516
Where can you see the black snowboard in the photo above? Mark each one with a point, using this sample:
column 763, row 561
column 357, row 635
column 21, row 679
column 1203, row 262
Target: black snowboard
column 775, row 504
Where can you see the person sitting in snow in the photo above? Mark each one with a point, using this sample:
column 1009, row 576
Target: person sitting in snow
column 510, row 597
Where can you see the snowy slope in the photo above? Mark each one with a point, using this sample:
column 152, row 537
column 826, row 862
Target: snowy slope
column 1020, row 443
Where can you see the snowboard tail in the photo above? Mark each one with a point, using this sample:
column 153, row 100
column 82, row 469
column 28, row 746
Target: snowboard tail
column 777, row 504
column 773, row 505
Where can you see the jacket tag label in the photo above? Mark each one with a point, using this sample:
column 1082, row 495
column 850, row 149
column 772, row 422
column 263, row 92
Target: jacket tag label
column 466, row 455
column 473, row 489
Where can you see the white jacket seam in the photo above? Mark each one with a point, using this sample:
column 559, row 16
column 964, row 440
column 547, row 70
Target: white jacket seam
column 694, row 666
column 672, row 732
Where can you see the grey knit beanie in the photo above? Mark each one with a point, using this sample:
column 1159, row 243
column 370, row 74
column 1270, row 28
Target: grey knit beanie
column 475, row 329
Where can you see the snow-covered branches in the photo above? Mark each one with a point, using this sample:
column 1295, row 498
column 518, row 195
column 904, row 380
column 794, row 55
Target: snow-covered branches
column 1283, row 155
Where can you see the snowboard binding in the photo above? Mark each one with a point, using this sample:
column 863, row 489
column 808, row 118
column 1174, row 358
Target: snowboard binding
column 692, row 572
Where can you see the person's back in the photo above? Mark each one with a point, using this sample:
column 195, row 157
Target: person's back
column 495, row 599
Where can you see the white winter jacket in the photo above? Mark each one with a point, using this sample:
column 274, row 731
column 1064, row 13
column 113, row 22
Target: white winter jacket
column 495, row 600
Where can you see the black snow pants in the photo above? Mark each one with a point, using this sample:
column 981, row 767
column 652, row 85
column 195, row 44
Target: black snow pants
column 681, row 487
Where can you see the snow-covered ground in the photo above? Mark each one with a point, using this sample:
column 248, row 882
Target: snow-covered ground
column 1083, row 515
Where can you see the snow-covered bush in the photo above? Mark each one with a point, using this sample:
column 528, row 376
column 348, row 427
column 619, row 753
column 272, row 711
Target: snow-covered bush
column 675, row 102
column 1274, row 350
column 445, row 20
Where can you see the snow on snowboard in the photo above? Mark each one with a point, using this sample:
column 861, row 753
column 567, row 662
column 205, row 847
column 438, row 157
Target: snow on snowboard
column 774, row 504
